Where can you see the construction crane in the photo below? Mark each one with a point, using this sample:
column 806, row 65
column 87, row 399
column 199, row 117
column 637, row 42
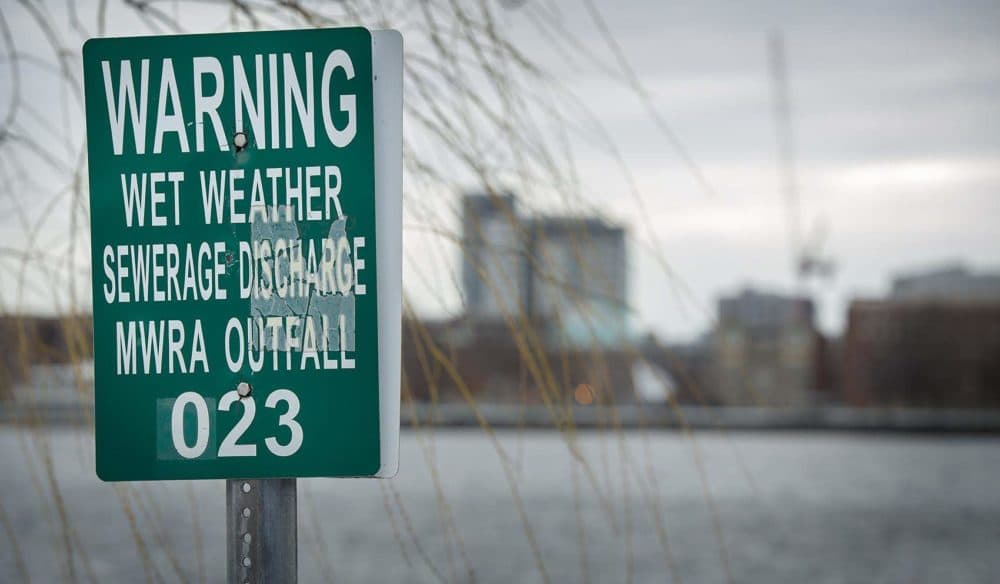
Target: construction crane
column 806, row 251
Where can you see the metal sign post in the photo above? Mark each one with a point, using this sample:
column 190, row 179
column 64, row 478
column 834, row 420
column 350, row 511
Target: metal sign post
column 261, row 531
column 246, row 238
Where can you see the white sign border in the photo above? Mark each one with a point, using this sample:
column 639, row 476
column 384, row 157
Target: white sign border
column 387, row 90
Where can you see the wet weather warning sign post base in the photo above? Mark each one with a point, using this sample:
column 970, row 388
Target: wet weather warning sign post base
column 245, row 197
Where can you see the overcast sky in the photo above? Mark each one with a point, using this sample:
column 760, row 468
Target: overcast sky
column 896, row 117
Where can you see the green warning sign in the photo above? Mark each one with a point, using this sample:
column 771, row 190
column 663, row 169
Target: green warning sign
column 245, row 225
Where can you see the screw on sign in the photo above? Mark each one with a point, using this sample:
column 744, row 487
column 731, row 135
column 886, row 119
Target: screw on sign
column 242, row 324
column 243, row 389
column 240, row 141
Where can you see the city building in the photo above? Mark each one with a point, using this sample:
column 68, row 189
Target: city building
column 566, row 274
column 495, row 250
column 545, row 311
column 954, row 283
column 578, row 279
column 766, row 351
column 484, row 359
column 934, row 342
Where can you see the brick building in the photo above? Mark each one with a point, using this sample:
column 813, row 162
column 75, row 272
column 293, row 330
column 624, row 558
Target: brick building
column 922, row 353
column 934, row 342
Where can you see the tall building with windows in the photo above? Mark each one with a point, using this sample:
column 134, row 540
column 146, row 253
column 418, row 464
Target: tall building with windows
column 495, row 249
column 569, row 274
column 766, row 350
column 579, row 280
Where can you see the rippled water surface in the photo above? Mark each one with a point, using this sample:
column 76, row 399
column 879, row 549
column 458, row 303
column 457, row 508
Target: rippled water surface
column 762, row 507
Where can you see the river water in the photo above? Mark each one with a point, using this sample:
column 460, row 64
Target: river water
column 786, row 507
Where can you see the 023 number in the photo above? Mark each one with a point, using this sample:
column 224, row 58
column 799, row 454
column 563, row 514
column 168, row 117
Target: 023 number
column 230, row 445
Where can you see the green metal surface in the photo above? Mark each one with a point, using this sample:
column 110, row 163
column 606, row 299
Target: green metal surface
column 339, row 409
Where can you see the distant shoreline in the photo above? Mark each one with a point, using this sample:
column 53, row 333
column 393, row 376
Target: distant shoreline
column 626, row 417
column 631, row 416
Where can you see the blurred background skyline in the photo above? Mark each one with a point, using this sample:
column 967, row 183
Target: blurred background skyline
column 892, row 123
